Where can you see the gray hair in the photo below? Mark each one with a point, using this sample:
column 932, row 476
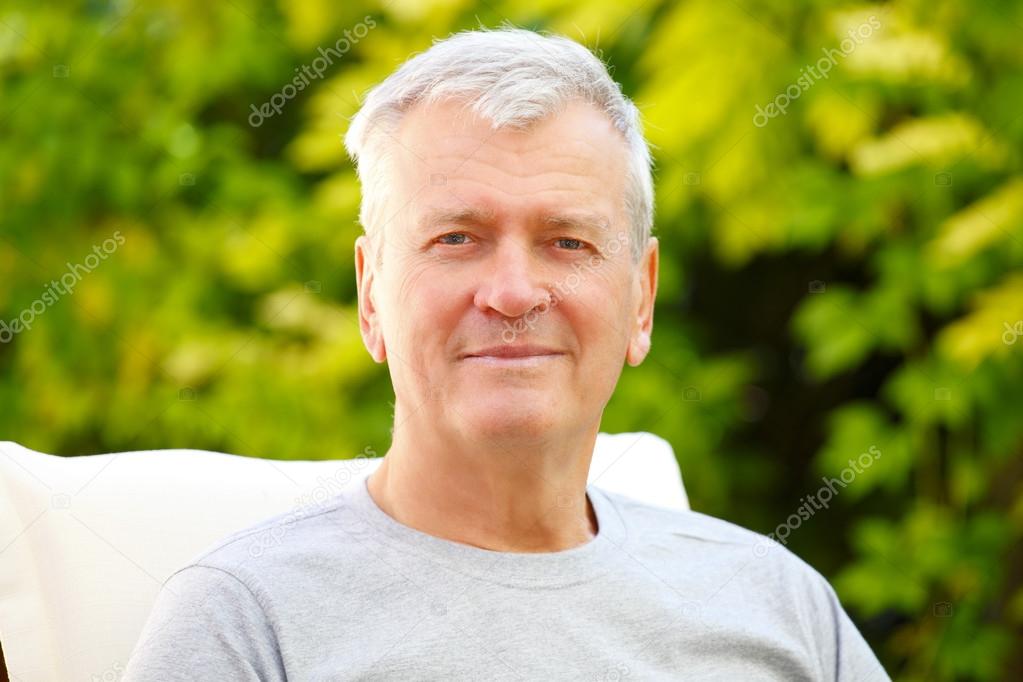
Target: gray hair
column 514, row 78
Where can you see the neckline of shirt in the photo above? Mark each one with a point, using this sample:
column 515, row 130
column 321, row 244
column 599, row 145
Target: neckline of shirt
column 542, row 569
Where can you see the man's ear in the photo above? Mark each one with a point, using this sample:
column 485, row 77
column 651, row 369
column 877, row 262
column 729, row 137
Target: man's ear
column 369, row 320
column 643, row 324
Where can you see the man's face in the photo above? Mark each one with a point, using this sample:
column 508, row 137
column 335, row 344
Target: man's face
column 499, row 244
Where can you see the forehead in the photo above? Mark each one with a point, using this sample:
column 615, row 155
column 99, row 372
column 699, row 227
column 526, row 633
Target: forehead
column 573, row 161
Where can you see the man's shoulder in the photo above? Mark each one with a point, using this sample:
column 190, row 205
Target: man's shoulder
column 301, row 535
column 646, row 518
column 684, row 531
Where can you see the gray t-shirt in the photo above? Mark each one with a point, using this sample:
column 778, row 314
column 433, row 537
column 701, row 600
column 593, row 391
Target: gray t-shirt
column 342, row 591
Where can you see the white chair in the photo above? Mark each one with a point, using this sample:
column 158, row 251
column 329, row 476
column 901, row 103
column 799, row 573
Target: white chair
column 86, row 542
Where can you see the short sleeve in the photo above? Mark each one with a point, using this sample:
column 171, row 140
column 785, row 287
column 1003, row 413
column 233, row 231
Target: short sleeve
column 206, row 624
column 843, row 649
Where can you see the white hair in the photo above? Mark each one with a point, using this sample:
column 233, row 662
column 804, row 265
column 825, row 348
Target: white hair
column 514, row 78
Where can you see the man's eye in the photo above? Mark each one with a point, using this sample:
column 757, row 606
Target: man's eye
column 571, row 244
column 453, row 239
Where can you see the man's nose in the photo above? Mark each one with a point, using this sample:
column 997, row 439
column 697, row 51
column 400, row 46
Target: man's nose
column 512, row 283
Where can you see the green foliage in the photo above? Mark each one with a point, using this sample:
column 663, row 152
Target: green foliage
column 842, row 277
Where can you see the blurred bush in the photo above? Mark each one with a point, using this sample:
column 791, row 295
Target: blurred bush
column 840, row 208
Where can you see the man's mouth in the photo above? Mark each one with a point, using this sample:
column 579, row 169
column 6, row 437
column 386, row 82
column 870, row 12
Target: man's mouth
column 509, row 355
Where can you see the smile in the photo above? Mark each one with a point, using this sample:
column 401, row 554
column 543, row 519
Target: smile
column 513, row 356
column 513, row 362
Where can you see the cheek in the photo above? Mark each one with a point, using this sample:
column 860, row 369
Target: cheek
column 618, row 316
column 601, row 315
column 425, row 305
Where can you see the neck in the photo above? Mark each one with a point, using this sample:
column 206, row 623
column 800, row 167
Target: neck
column 500, row 496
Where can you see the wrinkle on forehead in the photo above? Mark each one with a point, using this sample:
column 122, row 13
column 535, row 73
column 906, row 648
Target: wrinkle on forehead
column 570, row 163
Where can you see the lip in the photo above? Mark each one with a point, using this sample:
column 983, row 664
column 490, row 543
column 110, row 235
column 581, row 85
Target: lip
column 510, row 352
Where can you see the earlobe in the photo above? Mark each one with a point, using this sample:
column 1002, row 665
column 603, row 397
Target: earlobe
column 379, row 349
column 638, row 349
column 378, row 353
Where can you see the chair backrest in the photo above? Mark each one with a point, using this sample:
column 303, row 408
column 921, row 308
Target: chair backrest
column 86, row 542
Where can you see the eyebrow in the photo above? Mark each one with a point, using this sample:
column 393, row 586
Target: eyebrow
column 579, row 220
column 596, row 222
column 456, row 216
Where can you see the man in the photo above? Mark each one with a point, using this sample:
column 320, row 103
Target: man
column 506, row 273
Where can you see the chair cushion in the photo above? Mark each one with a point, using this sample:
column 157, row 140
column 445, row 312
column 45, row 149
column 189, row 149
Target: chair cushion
column 86, row 542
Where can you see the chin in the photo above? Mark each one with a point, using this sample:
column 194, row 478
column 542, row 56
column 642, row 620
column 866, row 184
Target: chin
column 505, row 420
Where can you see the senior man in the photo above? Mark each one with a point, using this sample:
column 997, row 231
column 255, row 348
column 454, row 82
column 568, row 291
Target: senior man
column 506, row 274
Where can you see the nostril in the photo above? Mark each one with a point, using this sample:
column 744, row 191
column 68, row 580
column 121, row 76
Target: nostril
column 546, row 299
column 514, row 300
